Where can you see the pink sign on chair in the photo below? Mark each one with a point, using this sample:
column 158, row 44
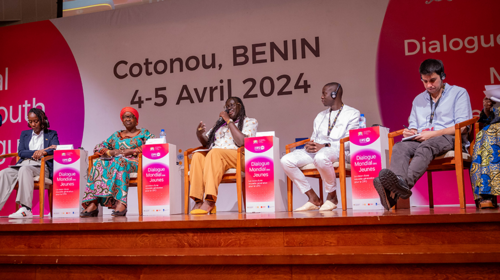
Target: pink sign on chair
column 369, row 147
column 67, row 181
column 262, row 185
column 160, row 181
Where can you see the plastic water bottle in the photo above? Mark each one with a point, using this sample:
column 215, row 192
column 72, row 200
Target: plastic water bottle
column 163, row 135
column 362, row 121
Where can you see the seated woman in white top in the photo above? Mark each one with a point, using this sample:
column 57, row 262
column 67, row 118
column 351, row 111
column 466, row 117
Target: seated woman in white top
column 223, row 140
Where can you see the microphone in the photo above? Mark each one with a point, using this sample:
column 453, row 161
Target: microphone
column 221, row 119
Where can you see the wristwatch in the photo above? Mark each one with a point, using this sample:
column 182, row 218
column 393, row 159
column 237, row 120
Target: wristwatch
column 229, row 121
column 327, row 145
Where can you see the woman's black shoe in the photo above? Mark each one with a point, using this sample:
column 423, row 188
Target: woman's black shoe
column 119, row 213
column 86, row 214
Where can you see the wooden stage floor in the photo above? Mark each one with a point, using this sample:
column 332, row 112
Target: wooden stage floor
column 414, row 215
column 416, row 243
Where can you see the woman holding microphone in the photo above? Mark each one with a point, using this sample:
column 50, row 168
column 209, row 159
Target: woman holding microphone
column 222, row 142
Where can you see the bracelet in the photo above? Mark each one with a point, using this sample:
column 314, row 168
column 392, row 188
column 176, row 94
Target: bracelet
column 229, row 121
column 108, row 153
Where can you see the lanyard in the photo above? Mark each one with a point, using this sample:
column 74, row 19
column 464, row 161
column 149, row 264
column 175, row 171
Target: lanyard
column 435, row 107
column 330, row 126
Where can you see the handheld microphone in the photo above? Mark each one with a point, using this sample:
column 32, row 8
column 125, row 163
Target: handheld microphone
column 220, row 118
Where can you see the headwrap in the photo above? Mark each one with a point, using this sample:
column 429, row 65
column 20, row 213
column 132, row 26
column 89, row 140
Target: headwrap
column 131, row 110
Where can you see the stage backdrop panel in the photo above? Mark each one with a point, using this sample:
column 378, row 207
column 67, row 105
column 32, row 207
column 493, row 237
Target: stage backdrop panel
column 177, row 61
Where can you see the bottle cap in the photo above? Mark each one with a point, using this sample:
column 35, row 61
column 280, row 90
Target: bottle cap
column 362, row 115
column 163, row 130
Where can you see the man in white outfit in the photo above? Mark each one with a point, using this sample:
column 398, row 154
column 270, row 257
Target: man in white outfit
column 323, row 149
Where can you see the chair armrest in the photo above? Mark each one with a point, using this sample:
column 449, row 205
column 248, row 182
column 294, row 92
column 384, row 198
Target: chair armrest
column 92, row 157
column 391, row 137
column 190, row 151
column 139, row 165
column 8, row 155
column 466, row 123
column 45, row 158
column 296, row 144
column 41, row 181
column 396, row 133
column 240, row 167
column 477, row 127
column 187, row 161
column 342, row 153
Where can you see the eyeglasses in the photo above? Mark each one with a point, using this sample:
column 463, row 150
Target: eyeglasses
column 231, row 106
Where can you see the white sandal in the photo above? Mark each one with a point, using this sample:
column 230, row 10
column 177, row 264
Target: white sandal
column 306, row 207
column 328, row 206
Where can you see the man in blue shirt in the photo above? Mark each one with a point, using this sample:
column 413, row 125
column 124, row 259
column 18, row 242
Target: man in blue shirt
column 434, row 114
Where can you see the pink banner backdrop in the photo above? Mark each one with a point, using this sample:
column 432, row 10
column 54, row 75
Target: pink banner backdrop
column 38, row 70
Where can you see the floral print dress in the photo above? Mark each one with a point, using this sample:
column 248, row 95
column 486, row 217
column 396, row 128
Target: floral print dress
column 109, row 179
column 485, row 169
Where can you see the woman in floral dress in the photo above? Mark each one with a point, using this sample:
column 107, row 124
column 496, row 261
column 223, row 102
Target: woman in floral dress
column 485, row 169
column 109, row 179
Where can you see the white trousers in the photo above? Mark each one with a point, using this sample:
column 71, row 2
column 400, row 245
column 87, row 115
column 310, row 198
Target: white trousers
column 10, row 176
column 323, row 160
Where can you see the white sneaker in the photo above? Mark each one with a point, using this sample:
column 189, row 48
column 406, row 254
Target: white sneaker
column 22, row 213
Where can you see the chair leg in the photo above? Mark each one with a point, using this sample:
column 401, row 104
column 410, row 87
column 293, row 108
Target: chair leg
column 139, row 185
column 431, row 193
column 139, row 198
column 17, row 205
column 321, row 190
column 459, row 168
column 51, row 200
column 186, row 195
column 289, row 191
column 41, row 191
column 139, row 195
column 343, row 189
column 244, row 195
column 238, row 191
